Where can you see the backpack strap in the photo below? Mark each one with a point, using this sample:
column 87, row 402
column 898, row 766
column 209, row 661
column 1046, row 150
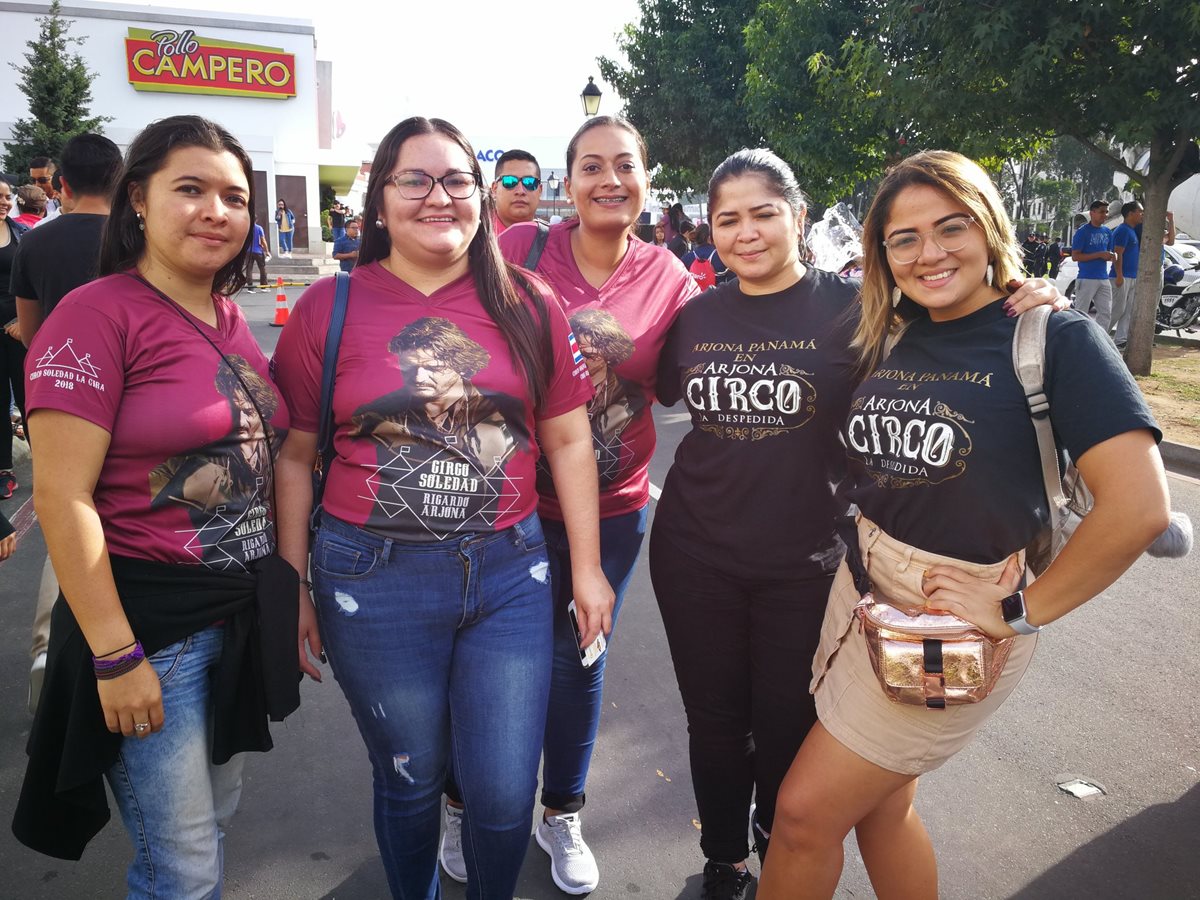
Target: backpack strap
column 538, row 246
column 1029, row 361
column 333, row 340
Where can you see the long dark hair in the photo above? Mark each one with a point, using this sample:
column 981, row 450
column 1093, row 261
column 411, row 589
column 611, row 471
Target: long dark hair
column 495, row 280
column 123, row 242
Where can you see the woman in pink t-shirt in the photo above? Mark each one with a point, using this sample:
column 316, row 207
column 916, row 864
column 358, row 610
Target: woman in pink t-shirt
column 621, row 295
column 153, row 422
column 430, row 571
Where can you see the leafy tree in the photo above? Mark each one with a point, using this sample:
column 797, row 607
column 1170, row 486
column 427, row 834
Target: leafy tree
column 58, row 85
column 989, row 78
column 684, row 86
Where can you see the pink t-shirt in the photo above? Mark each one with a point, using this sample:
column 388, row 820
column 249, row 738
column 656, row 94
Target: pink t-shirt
column 435, row 429
column 187, row 477
column 620, row 329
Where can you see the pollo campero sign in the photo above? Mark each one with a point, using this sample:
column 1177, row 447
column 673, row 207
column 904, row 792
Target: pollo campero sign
column 182, row 63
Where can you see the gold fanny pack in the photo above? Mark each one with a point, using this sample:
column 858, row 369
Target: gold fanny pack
column 929, row 658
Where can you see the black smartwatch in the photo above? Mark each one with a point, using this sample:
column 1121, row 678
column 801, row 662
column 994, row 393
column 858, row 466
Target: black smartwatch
column 1012, row 608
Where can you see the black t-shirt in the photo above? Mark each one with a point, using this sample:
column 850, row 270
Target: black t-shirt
column 941, row 441
column 8, row 305
column 337, row 219
column 57, row 257
column 767, row 380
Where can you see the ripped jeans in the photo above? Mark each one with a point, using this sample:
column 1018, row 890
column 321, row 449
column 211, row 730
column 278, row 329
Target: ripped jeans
column 443, row 651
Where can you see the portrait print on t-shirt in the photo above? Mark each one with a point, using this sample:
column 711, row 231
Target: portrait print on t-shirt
column 442, row 443
column 225, row 487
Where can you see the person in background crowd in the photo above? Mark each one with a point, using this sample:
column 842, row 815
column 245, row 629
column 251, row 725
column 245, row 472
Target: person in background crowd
column 65, row 204
column 285, row 222
column 162, row 668
column 675, row 216
column 744, row 547
column 31, row 204
column 42, row 170
column 664, row 220
column 1092, row 248
column 682, row 242
column 1127, row 240
column 337, row 221
column 937, row 239
column 595, row 263
column 703, row 252
column 345, row 250
column 455, row 370
column 516, row 189
column 258, row 256
column 1034, row 254
column 1054, row 255
column 12, row 351
column 53, row 260
column 660, row 235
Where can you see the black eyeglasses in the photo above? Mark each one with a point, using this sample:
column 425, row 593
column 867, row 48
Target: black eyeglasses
column 510, row 182
column 418, row 185
column 43, row 179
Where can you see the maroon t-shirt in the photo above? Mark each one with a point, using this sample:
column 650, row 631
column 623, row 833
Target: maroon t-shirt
column 434, row 426
column 621, row 328
column 187, row 478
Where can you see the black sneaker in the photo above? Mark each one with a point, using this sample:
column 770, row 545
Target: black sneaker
column 725, row 882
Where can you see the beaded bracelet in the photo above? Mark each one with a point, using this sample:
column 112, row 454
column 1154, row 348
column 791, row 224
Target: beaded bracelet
column 306, row 583
column 107, row 669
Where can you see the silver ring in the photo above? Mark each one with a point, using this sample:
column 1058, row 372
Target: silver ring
column 141, row 727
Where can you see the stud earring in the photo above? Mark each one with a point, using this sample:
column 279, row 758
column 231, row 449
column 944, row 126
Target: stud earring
column 991, row 273
column 895, row 297
column 379, row 223
column 141, row 222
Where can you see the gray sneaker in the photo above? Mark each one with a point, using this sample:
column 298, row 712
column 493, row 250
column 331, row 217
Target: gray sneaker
column 572, row 865
column 450, row 853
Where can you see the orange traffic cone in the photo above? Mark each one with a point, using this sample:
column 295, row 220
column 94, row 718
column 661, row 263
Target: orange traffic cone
column 281, row 307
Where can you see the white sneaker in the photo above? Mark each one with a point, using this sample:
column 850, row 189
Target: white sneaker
column 37, row 673
column 572, row 865
column 450, row 853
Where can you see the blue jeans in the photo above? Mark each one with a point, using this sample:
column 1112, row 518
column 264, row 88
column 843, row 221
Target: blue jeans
column 443, row 652
column 285, row 241
column 172, row 800
column 576, row 693
column 338, row 233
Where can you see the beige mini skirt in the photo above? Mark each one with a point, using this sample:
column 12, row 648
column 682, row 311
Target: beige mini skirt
column 851, row 704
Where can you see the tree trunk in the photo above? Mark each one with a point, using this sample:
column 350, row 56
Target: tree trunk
column 1164, row 158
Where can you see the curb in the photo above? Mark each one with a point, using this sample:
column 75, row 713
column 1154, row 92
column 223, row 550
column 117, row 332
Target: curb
column 1182, row 459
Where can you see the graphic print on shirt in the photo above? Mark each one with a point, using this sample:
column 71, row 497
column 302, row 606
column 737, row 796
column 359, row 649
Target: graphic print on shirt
column 744, row 392
column 604, row 345
column 67, row 367
column 226, row 485
column 442, row 442
column 904, row 440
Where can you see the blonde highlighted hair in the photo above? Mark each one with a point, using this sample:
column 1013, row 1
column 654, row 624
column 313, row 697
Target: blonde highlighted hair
column 966, row 184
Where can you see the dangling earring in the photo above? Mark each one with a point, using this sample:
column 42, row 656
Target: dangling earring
column 895, row 297
column 379, row 223
column 141, row 221
column 991, row 273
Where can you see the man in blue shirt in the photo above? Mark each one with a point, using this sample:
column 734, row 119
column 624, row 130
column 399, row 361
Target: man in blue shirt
column 1092, row 249
column 345, row 250
column 1124, row 271
column 257, row 257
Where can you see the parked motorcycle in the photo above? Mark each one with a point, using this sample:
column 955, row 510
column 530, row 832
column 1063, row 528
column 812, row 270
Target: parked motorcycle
column 1179, row 307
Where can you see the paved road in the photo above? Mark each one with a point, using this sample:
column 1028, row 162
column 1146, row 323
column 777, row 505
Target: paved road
column 1110, row 696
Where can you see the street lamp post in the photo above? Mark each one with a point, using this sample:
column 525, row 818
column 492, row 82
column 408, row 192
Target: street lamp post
column 590, row 98
column 552, row 183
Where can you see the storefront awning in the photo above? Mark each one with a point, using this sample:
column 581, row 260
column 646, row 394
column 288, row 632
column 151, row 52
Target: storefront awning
column 340, row 178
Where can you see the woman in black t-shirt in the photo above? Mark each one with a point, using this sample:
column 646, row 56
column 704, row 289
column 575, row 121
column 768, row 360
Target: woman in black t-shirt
column 743, row 550
column 949, row 484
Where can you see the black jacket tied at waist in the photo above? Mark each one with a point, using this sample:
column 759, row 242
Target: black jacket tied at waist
column 63, row 803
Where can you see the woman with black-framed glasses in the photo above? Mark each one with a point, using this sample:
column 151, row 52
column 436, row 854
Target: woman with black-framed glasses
column 430, row 572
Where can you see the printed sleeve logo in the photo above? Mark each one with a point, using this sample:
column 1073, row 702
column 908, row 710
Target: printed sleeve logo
column 67, row 368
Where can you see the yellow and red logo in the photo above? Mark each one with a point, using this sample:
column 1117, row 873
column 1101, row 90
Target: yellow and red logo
column 179, row 62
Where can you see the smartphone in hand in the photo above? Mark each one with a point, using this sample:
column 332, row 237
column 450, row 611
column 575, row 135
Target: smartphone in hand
column 594, row 650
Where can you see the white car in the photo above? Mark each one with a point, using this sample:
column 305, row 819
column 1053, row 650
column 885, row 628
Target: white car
column 1185, row 254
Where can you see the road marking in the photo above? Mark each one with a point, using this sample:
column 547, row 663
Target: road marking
column 655, row 491
column 672, row 418
column 24, row 519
